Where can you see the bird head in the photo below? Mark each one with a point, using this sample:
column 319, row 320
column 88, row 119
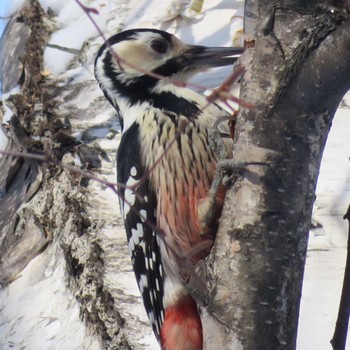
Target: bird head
column 149, row 50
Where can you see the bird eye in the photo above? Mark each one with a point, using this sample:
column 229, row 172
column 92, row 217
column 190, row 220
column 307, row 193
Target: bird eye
column 159, row 46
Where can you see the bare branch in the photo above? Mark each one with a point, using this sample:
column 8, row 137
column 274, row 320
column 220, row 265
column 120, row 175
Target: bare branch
column 341, row 330
column 47, row 157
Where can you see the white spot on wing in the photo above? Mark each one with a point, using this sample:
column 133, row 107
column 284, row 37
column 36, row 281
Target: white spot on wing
column 151, row 317
column 150, row 261
column 142, row 245
column 131, row 245
column 122, row 209
column 157, row 327
column 143, row 214
column 136, row 235
column 129, row 195
column 133, row 171
column 143, row 283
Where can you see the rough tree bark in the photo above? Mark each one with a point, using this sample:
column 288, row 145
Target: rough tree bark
column 297, row 72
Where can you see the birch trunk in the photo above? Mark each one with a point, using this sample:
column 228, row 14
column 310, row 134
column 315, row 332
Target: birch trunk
column 297, row 72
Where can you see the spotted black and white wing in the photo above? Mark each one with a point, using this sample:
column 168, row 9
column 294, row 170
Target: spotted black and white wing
column 138, row 207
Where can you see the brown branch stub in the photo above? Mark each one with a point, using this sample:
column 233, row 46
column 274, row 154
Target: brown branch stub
column 347, row 215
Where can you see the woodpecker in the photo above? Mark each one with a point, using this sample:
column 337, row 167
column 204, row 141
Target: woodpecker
column 165, row 168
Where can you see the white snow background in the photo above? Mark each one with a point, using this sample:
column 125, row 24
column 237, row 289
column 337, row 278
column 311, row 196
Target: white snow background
column 213, row 27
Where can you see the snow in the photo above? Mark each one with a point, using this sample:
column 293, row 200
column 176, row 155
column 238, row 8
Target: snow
column 327, row 247
column 75, row 28
column 55, row 5
column 207, row 31
column 27, row 311
column 333, row 192
column 11, row 6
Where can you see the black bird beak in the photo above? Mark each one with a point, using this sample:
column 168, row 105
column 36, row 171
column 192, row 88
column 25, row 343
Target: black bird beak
column 212, row 56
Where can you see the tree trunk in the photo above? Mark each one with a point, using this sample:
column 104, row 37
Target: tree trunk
column 65, row 272
column 297, row 72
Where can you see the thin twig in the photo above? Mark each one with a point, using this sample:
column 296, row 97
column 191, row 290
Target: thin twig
column 47, row 158
column 338, row 341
